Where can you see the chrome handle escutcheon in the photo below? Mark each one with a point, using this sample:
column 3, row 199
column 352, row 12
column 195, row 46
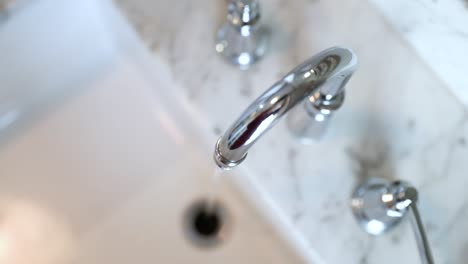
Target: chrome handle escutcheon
column 380, row 205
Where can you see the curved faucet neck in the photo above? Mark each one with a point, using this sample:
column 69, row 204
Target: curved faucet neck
column 319, row 81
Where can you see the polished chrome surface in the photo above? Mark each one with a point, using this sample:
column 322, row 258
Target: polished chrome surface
column 379, row 205
column 320, row 110
column 318, row 82
column 243, row 12
column 241, row 40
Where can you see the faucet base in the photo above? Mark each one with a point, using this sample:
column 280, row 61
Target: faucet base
column 309, row 122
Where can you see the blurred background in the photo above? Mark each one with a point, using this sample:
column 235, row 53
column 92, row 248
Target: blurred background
column 109, row 112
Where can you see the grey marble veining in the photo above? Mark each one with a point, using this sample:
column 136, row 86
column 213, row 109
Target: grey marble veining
column 438, row 33
column 398, row 121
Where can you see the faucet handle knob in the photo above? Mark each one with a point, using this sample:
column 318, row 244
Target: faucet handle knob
column 243, row 12
column 380, row 205
column 241, row 40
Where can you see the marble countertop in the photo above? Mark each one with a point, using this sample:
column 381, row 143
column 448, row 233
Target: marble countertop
column 399, row 120
column 438, row 32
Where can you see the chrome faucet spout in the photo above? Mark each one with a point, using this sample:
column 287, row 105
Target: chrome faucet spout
column 318, row 82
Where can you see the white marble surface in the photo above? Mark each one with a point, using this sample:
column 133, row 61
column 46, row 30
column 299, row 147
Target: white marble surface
column 399, row 120
column 438, row 32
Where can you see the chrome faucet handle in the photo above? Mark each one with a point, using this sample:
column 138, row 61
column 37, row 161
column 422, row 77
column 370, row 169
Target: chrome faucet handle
column 379, row 206
column 241, row 40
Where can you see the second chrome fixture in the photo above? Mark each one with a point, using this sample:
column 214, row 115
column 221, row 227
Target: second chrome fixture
column 317, row 85
column 241, row 40
column 380, row 205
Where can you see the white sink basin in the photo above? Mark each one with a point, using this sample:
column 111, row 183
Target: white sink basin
column 101, row 158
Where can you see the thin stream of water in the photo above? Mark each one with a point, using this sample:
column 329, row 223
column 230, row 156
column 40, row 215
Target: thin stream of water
column 214, row 188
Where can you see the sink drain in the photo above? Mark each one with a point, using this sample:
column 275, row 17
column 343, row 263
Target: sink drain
column 206, row 223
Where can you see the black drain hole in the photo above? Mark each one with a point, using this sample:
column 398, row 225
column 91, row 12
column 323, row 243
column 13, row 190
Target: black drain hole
column 206, row 223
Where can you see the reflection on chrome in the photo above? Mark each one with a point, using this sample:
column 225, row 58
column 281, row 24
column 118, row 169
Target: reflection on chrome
column 380, row 205
column 241, row 40
column 317, row 83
